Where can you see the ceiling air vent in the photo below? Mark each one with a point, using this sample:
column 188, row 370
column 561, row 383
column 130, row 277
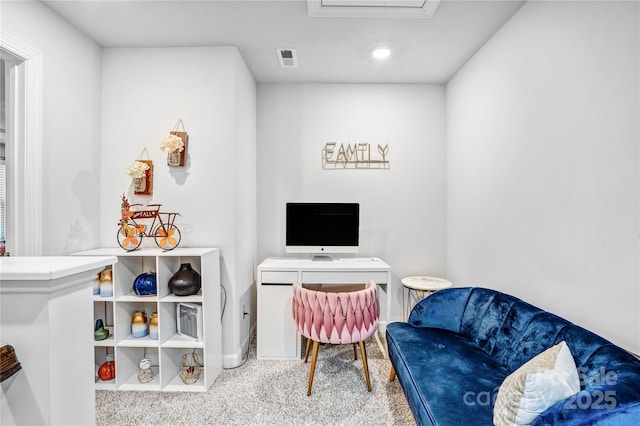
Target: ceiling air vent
column 287, row 58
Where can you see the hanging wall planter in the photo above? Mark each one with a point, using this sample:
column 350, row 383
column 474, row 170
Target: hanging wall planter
column 141, row 172
column 175, row 145
column 173, row 158
column 139, row 184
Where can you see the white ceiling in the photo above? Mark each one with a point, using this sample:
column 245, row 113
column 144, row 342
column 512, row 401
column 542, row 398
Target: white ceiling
column 328, row 49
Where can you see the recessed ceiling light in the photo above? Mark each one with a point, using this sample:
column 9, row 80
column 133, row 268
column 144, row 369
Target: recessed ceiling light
column 381, row 53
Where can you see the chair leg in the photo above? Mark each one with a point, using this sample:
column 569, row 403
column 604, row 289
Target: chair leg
column 392, row 374
column 355, row 353
column 363, row 352
column 306, row 353
column 314, row 357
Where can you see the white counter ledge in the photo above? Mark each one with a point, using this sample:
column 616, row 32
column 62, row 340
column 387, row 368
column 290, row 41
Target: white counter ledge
column 46, row 268
column 46, row 314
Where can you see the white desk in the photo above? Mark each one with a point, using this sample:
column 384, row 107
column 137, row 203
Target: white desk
column 276, row 332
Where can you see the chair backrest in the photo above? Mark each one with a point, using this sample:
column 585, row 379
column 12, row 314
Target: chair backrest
column 336, row 317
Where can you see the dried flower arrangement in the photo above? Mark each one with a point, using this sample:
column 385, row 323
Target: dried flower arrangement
column 137, row 169
column 172, row 143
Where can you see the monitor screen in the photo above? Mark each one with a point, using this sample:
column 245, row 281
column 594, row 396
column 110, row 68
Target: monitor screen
column 322, row 227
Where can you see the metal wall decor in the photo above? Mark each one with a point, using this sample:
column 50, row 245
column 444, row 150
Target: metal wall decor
column 354, row 156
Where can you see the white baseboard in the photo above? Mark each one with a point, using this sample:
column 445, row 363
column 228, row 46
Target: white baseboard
column 237, row 358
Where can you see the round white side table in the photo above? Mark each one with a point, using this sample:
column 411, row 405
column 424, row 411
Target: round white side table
column 419, row 287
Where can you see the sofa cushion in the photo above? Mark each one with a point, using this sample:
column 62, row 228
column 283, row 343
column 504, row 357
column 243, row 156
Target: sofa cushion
column 452, row 379
column 542, row 381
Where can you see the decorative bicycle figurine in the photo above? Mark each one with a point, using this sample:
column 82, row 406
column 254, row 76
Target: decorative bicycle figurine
column 162, row 229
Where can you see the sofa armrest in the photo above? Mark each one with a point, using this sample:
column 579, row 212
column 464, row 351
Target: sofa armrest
column 442, row 309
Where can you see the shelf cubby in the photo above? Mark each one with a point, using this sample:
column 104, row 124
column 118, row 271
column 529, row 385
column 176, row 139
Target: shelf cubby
column 128, row 366
column 104, row 353
column 171, row 364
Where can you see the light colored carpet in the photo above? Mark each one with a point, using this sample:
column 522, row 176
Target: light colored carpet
column 273, row 393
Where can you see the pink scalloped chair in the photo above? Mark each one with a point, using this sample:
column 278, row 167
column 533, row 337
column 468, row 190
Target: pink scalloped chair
column 343, row 317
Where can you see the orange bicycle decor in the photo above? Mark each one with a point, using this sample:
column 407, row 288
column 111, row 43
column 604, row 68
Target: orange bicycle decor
column 162, row 229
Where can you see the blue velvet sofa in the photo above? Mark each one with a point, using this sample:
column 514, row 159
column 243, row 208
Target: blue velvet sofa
column 459, row 344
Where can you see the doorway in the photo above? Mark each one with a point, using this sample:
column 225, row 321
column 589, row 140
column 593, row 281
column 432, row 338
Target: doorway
column 22, row 142
column 3, row 197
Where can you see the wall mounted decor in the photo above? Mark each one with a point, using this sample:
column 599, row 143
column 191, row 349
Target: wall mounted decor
column 131, row 228
column 138, row 170
column 354, row 156
column 142, row 173
column 175, row 145
column 148, row 178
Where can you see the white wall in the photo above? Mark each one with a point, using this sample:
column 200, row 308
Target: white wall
column 145, row 92
column 403, row 209
column 245, row 207
column 543, row 131
column 71, row 69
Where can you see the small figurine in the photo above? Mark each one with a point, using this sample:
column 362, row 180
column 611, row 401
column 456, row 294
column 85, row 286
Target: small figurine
column 145, row 374
column 100, row 333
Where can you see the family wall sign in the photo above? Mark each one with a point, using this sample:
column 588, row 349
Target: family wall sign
column 354, row 156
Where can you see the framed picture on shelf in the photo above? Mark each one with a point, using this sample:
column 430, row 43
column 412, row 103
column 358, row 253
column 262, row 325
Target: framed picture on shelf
column 189, row 320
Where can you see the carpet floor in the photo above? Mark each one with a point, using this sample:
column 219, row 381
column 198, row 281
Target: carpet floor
column 272, row 393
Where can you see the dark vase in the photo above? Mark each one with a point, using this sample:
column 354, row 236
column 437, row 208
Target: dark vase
column 185, row 282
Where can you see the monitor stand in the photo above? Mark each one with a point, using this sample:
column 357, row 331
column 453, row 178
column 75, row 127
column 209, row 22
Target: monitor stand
column 321, row 258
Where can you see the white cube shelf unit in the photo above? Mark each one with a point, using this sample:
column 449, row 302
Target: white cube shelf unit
column 167, row 351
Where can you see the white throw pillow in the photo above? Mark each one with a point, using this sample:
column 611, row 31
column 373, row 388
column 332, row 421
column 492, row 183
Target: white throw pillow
column 537, row 385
